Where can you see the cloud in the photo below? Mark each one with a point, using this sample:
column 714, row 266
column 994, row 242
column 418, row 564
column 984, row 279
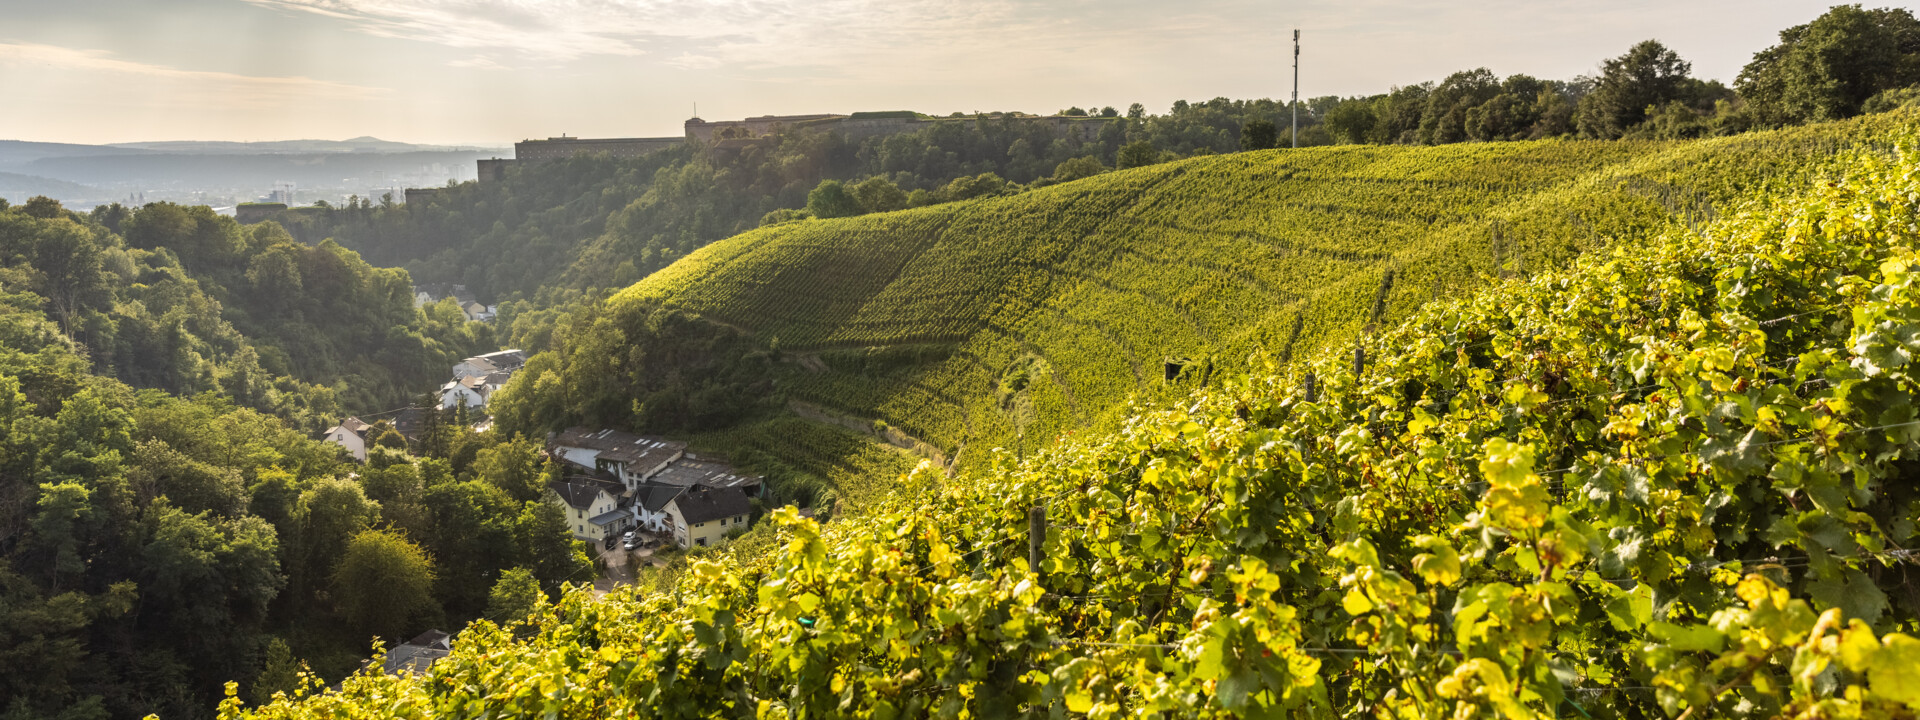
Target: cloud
column 477, row 62
column 102, row 69
column 690, row 61
column 843, row 38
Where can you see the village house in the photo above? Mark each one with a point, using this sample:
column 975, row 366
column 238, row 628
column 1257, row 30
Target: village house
column 632, row 459
column 650, row 506
column 415, row 656
column 358, row 436
column 504, row 361
column 702, row 517
column 693, row 470
column 351, row 434
column 472, row 390
column 592, row 506
column 476, row 312
column 428, row 294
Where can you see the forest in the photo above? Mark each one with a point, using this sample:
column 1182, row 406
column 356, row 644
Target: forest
column 168, row 522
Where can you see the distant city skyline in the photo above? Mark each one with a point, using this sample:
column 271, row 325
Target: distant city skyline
column 491, row 72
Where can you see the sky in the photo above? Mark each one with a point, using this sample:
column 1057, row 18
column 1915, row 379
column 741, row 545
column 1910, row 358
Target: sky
column 498, row 71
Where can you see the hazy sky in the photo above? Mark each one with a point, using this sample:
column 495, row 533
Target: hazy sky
column 496, row 71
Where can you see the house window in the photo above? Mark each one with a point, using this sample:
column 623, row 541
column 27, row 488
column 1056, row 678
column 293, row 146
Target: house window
column 580, row 528
column 702, row 542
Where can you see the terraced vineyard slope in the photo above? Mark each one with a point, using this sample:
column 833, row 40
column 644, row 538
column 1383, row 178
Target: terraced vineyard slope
column 1677, row 479
column 1011, row 322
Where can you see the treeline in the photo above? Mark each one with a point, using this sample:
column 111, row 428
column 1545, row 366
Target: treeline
column 183, row 300
column 1847, row 62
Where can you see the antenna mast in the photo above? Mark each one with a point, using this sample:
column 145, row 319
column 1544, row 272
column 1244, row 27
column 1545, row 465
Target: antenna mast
column 1296, row 88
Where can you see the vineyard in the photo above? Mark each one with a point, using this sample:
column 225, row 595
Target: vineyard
column 1041, row 314
column 1674, row 477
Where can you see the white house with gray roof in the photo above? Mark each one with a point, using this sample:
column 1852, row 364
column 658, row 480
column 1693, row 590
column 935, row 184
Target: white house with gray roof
column 632, row 458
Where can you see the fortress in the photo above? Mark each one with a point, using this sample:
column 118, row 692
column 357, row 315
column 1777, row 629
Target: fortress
column 728, row 133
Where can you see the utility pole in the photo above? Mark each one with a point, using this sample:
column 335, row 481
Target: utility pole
column 1296, row 88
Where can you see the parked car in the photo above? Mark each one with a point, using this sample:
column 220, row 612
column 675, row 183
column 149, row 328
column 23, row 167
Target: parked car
column 610, row 541
column 632, row 541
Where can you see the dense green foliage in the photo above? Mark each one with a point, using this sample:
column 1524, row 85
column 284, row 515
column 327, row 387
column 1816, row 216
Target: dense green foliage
column 1009, row 322
column 1675, row 480
column 153, row 546
column 1832, row 67
column 183, row 300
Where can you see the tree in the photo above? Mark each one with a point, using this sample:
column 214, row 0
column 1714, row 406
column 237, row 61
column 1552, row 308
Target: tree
column 42, row 207
column 57, row 529
column 1259, row 135
column 69, row 264
column 1445, row 118
column 383, row 585
column 1139, row 154
column 546, row 545
column 280, row 673
column 514, row 596
column 878, row 194
column 831, row 200
column 1829, row 68
column 1648, row 75
column 473, row 538
column 1352, row 122
column 1084, row 166
column 514, row 466
column 335, row 511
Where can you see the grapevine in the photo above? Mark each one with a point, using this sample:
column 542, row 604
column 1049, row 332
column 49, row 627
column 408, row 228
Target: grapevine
column 1673, row 480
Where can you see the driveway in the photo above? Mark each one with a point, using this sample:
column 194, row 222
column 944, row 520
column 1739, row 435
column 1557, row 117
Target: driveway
column 619, row 564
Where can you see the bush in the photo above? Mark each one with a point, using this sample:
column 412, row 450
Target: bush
column 1140, row 154
column 783, row 215
column 1890, row 100
column 1077, row 168
column 1259, row 135
column 831, row 200
column 878, row 194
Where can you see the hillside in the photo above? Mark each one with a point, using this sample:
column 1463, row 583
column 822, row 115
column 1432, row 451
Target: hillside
column 182, row 300
column 1672, row 480
column 19, row 188
column 168, row 519
column 1011, row 322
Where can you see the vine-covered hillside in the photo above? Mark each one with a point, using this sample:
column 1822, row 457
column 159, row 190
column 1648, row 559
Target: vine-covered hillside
column 1009, row 322
column 1674, row 480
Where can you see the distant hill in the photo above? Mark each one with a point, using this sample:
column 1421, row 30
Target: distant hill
column 261, row 170
column 17, row 188
column 14, row 153
column 363, row 144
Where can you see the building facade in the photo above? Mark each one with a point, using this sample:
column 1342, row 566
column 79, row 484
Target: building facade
column 702, row 517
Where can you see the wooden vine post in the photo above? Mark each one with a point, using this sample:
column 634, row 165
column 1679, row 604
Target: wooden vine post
column 1036, row 536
